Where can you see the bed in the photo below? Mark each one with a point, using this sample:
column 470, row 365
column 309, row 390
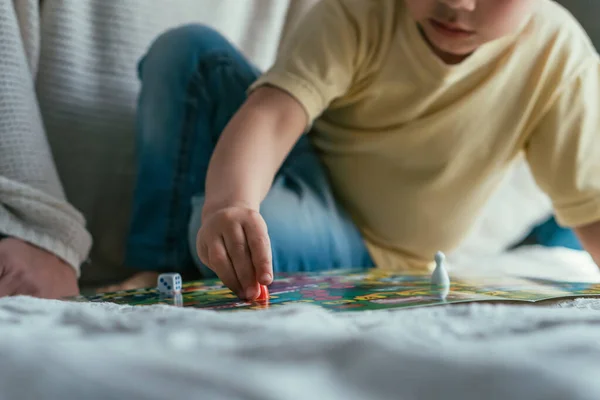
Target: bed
column 58, row 350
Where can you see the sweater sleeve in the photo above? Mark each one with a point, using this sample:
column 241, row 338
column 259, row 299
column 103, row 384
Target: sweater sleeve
column 32, row 202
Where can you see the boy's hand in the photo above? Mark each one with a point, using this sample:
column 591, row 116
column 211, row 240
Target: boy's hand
column 28, row 270
column 234, row 243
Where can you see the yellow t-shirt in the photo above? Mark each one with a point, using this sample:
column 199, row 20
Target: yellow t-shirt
column 415, row 147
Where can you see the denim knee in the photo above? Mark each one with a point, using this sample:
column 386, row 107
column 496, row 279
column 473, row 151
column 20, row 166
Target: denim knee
column 193, row 80
column 176, row 54
column 175, row 75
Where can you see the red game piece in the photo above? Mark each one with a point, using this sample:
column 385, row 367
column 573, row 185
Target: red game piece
column 264, row 293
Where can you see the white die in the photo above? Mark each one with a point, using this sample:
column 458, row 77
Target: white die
column 169, row 283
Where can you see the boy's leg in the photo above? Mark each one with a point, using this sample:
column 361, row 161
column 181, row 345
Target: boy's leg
column 177, row 127
column 550, row 234
column 193, row 81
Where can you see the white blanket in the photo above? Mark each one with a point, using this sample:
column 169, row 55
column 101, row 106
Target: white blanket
column 57, row 350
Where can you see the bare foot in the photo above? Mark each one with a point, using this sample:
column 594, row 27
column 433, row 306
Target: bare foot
column 140, row 280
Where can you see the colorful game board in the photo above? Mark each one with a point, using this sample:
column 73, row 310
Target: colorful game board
column 356, row 291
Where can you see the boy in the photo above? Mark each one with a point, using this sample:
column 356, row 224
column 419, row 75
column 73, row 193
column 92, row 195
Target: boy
column 416, row 108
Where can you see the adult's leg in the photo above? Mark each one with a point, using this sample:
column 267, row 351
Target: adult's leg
column 193, row 81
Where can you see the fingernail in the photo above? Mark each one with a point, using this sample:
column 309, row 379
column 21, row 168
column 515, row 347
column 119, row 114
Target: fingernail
column 250, row 293
column 266, row 278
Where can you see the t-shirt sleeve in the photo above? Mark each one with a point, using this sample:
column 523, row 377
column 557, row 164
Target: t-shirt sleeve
column 564, row 150
column 319, row 59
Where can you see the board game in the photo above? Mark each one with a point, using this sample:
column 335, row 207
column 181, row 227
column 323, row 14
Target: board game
column 347, row 290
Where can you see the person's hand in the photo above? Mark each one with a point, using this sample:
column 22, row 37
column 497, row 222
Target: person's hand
column 234, row 243
column 28, row 270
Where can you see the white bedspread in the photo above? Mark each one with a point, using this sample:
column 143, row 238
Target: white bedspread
column 57, row 350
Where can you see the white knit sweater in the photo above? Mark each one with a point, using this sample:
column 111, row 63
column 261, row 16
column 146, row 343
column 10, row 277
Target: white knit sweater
column 68, row 91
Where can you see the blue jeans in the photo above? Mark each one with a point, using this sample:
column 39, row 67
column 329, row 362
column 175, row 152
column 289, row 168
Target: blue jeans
column 193, row 81
column 550, row 234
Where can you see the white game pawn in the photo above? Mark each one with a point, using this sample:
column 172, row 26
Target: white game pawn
column 440, row 281
column 169, row 284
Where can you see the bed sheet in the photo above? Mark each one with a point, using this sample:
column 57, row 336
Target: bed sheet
column 58, row 350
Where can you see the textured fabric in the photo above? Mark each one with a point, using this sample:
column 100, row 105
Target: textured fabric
column 513, row 210
column 193, row 81
column 586, row 12
column 33, row 205
column 415, row 147
column 77, row 60
column 55, row 350
column 106, row 352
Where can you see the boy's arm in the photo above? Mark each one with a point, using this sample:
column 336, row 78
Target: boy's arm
column 233, row 240
column 317, row 65
column 252, row 148
column 564, row 155
column 590, row 238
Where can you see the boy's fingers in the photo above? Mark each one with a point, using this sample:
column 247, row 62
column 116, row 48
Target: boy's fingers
column 8, row 285
column 239, row 254
column 260, row 250
column 202, row 251
column 221, row 264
